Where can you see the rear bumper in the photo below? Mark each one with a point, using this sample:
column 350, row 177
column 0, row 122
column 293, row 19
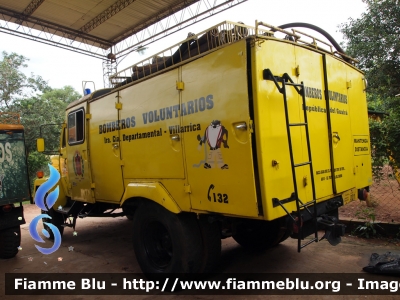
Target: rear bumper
column 325, row 210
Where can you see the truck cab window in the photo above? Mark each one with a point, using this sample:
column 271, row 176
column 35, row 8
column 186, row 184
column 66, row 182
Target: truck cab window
column 76, row 127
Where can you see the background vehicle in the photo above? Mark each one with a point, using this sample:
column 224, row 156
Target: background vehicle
column 14, row 183
column 233, row 132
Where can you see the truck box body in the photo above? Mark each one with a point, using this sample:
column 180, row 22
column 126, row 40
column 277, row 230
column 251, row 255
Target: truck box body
column 152, row 138
column 235, row 133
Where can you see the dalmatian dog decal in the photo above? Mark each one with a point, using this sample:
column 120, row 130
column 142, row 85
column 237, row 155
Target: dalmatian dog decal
column 215, row 135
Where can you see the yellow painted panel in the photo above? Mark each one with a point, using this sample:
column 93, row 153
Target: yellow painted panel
column 176, row 187
column 218, row 142
column 342, row 139
column 270, row 127
column 105, row 149
column 64, row 180
column 151, row 190
column 151, row 146
column 78, row 161
column 359, row 128
column 312, row 76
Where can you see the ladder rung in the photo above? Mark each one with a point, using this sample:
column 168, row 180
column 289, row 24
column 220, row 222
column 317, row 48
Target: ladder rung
column 307, row 204
column 302, row 164
column 309, row 242
column 297, row 124
column 294, row 84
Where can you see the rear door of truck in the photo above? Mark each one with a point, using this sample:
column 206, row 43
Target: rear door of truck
column 330, row 133
column 337, row 89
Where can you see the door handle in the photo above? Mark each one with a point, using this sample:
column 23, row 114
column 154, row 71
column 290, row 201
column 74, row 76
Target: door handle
column 115, row 146
column 241, row 126
column 175, row 138
column 336, row 135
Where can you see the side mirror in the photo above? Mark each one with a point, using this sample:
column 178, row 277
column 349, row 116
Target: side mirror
column 40, row 144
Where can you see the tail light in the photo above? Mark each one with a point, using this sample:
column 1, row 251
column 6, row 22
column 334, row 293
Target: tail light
column 7, row 208
column 296, row 227
column 363, row 194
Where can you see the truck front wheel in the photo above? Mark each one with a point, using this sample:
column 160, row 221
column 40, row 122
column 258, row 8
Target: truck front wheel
column 10, row 240
column 165, row 242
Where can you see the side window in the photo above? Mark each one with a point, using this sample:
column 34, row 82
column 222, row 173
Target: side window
column 76, row 128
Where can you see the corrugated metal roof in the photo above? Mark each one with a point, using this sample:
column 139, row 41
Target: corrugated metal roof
column 102, row 22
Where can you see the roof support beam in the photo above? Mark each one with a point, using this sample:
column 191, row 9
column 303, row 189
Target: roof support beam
column 14, row 23
column 169, row 21
column 167, row 13
column 28, row 11
column 32, row 7
column 105, row 15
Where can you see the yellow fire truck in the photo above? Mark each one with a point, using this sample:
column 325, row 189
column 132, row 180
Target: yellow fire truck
column 256, row 133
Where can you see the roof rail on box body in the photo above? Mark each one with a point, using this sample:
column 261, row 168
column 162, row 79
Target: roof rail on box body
column 216, row 37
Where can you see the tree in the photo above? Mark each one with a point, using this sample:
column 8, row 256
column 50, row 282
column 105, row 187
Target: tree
column 37, row 104
column 47, row 108
column 14, row 84
column 374, row 39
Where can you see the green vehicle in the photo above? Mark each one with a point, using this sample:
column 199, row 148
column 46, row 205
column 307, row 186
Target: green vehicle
column 14, row 183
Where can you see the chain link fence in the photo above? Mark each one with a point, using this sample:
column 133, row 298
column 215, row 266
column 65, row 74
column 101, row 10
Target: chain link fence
column 383, row 205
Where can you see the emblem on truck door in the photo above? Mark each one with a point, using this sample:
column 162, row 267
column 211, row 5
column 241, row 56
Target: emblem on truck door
column 78, row 164
column 215, row 135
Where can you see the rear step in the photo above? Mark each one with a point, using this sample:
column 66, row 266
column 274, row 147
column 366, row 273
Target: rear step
column 71, row 211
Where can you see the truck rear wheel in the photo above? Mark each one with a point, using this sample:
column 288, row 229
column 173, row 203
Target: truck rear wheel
column 57, row 220
column 10, row 240
column 259, row 235
column 165, row 242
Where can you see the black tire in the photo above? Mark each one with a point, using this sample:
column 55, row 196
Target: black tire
column 211, row 237
column 10, row 240
column 128, row 213
column 259, row 235
column 285, row 235
column 57, row 220
column 165, row 242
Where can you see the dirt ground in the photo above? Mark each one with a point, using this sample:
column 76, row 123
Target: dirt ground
column 103, row 245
